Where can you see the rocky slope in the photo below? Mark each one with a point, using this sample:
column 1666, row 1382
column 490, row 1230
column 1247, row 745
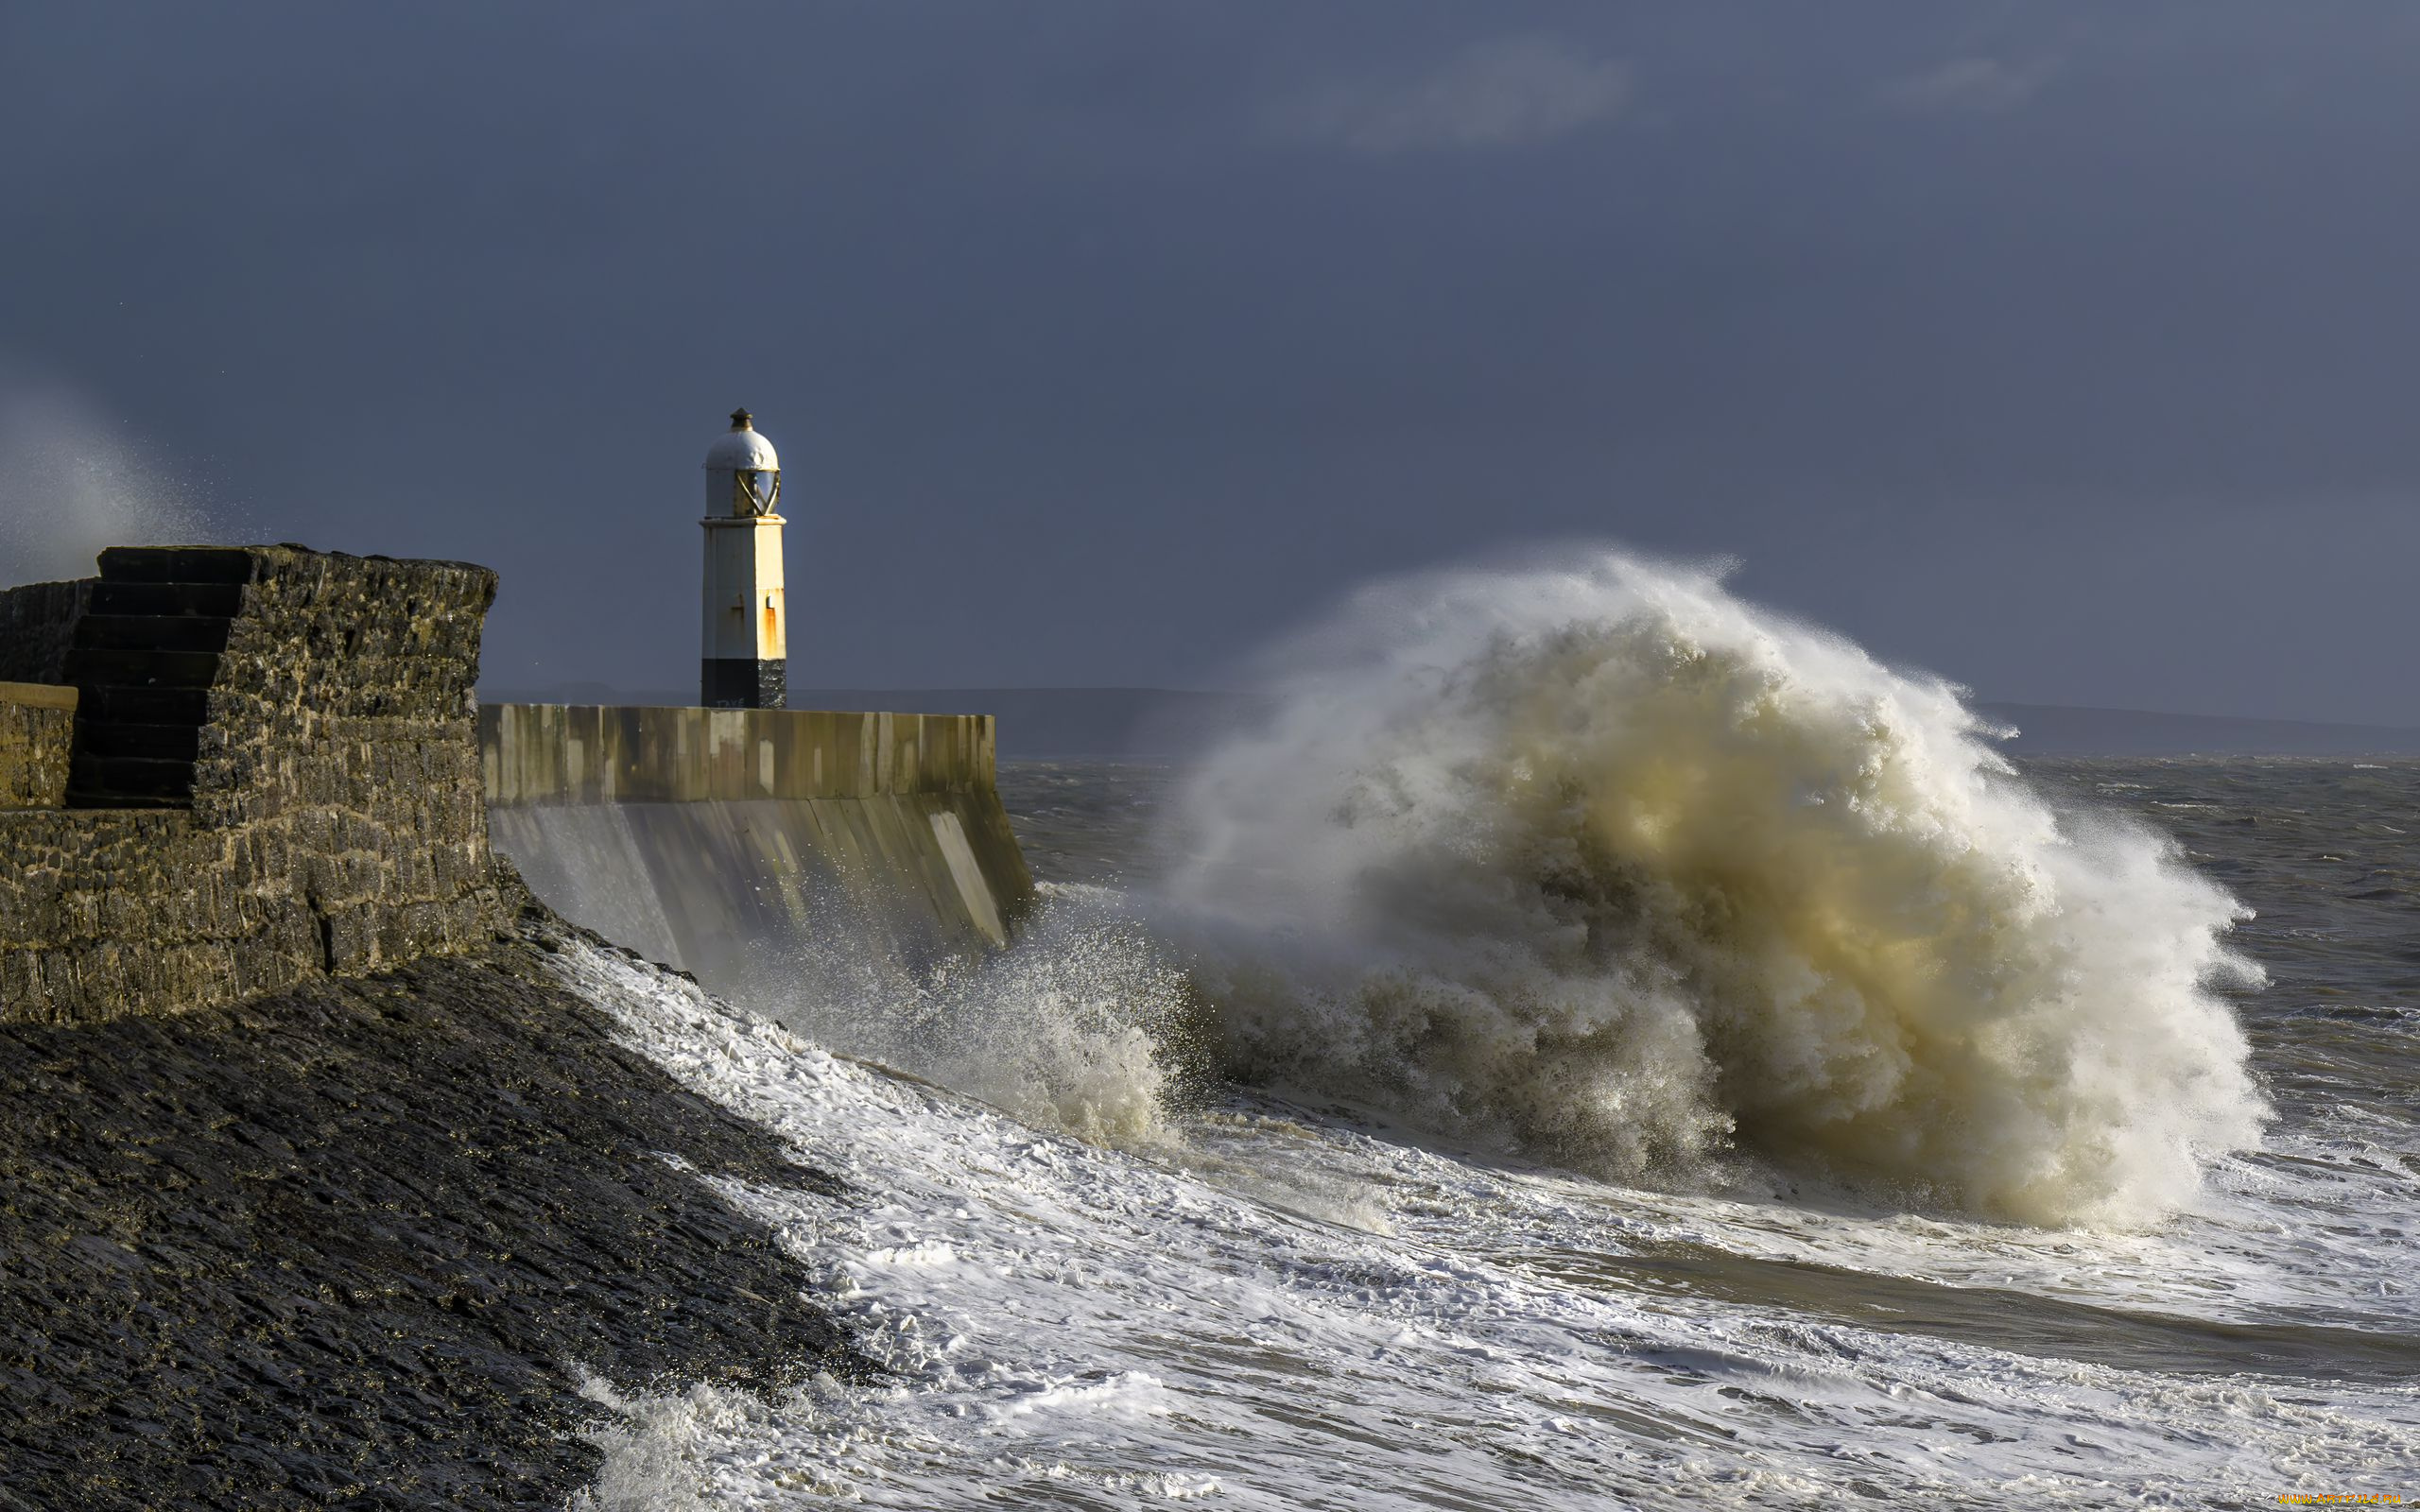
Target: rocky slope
column 356, row 1244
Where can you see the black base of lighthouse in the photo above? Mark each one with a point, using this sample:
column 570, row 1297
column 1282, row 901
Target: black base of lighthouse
column 736, row 683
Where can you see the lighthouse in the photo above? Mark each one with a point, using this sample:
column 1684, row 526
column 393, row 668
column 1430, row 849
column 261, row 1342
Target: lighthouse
column 747, row 624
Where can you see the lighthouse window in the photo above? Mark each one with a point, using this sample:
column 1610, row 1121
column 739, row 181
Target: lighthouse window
column 758, row 490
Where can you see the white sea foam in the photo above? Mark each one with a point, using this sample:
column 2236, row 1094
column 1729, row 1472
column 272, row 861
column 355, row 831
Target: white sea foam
column 1599, row 861
column 1602, row 864
column 1070, row 1326
column 1085, row 1026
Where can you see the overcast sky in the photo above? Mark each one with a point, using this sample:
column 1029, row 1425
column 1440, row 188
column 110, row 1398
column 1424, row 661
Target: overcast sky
column 2071, row 350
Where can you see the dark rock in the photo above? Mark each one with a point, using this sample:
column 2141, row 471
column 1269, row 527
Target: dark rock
column 349, row 1246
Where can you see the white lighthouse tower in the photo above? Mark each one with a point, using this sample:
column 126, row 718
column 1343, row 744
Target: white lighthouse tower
column 747, row 624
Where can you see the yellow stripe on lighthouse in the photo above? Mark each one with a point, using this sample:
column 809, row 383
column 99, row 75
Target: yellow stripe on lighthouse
column 744, row 655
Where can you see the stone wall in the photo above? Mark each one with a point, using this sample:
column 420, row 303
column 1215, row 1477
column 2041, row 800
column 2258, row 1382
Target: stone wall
column 37, row 730
column 336, row 822
column 37, row 626
column 732, row 842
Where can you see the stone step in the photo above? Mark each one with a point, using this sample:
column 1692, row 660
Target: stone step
column 223, row 600
column 176, row 564
column 145, row 655
column 115, row 781
column 152, row 632
column 87, row 666
column 106, row 704
column 96, row 800
column 176, row 742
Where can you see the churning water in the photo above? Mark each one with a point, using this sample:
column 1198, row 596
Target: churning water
column 1599, row 1045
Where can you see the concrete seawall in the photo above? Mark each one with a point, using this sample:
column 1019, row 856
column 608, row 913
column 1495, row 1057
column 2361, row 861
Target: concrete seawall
column 727, row 841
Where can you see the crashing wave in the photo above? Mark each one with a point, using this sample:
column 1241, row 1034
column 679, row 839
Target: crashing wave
column 1604, row 862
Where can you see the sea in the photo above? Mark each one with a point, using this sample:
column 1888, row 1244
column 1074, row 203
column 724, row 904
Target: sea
column 1593, row 1042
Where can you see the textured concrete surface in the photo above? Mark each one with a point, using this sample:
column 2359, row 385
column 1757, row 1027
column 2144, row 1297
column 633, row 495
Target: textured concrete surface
column 37, row 732
column 556, row 753
column 716, row 840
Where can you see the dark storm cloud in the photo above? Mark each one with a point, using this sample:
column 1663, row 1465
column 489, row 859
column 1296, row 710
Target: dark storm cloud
column 2065, row 347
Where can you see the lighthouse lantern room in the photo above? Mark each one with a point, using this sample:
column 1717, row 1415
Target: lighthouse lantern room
column 747, row 624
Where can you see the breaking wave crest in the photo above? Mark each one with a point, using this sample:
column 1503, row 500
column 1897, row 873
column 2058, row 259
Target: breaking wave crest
column 1083, row 1026
column 1602, row 862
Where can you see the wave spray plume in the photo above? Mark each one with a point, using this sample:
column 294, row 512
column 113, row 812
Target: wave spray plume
column 1600, row 862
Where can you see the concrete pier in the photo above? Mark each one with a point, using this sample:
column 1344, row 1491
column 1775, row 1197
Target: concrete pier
column 727, row 841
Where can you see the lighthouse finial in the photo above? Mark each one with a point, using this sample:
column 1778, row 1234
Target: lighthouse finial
column 742, row 420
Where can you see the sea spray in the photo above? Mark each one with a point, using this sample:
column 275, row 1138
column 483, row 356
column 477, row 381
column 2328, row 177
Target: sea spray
column 1084, row 1024
column 72, row 484
column 1598, row 860
column 1065, row 1325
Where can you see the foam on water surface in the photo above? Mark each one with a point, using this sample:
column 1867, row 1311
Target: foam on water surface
column 1598, row 1044
column 1077, row 1326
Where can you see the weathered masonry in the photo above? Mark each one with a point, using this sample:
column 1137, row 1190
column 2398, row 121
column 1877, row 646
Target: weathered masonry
column 225, row 771
column 269, row 773
column 730, row 841
column 37, row 729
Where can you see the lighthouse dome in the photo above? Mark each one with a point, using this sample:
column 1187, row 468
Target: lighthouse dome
column 741, row 449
